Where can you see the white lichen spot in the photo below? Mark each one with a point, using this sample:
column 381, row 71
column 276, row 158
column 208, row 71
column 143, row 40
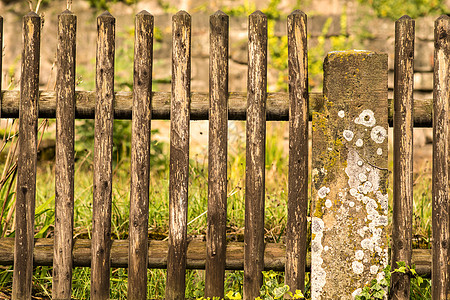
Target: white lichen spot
column 379, row 151
column 361, row 232
column 366, row 244
column 318, row 274
column 364, row 182
column 357, row 267
column 368, row 186
column 378, row 250
column 341, row 114
column 362, row 177
column 317, row 225
column 328, row 203
column 366, row 118
column 356, row 292
column 348, row 135
column 314, row 172
column 359, row 254
column 380, row 276
column 359, row 143
column 383, row 200
column 323, row 191
column 353, row 192
column 378, row 134
column 373, row 269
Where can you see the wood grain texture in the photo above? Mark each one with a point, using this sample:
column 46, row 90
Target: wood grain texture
column 255, row 155
column 217, row 157
column 277, row 106
column 440, row 198
column 26, row 163
column 179, row 155
column 298, row 151
column 1, row 59
column 403, row 155
column 64, row 162
column 274, row 255
column 103, row 144
column 140, row 156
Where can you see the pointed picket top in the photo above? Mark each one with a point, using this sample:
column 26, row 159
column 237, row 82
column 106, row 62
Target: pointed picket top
column 258, row 13
column 67, row 12
column 443, row 17
column 297, row 12
column 219, row 13
column 182, row 13
column 144, row 13
column 405, row 17
column 106, row 15
column 32, row 14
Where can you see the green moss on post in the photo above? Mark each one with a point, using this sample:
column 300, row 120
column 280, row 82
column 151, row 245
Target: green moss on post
column 350, row 202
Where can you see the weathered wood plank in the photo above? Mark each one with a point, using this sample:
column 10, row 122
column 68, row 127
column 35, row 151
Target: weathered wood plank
column 440, row 198
column 179, row 155
column 298, row 152
column 64, row 162
column 349, row 176
column 103, row 144
column 1, row 60
column 274, row 255
column 217, row 157
column 403, row 155
column 255, row 155
column 26, row 163
column 277, row 106
column 140, row 156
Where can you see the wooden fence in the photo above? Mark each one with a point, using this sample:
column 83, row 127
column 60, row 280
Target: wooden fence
column 256, row 107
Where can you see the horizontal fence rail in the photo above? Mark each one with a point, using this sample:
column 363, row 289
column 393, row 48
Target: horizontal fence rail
column 274, row 255
column 277, row 108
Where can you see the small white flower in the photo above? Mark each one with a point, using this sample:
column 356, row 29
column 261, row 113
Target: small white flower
column 359, row 143
column 341, row 114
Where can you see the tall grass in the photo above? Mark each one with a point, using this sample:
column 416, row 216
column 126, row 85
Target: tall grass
column 275, row 220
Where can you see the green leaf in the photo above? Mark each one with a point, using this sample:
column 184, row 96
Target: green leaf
column 298, row 295
column 379, row 294
column 280, row 291
column 400, row 270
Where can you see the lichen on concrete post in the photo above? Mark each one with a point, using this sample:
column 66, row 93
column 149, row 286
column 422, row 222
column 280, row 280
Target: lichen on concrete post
column 349, row 176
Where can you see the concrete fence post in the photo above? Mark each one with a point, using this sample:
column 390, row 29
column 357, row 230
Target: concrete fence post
column 349, row 176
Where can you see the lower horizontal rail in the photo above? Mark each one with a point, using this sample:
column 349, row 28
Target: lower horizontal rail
column 274, row 255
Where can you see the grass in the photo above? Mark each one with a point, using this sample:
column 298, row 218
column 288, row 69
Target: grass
column 275, row 220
